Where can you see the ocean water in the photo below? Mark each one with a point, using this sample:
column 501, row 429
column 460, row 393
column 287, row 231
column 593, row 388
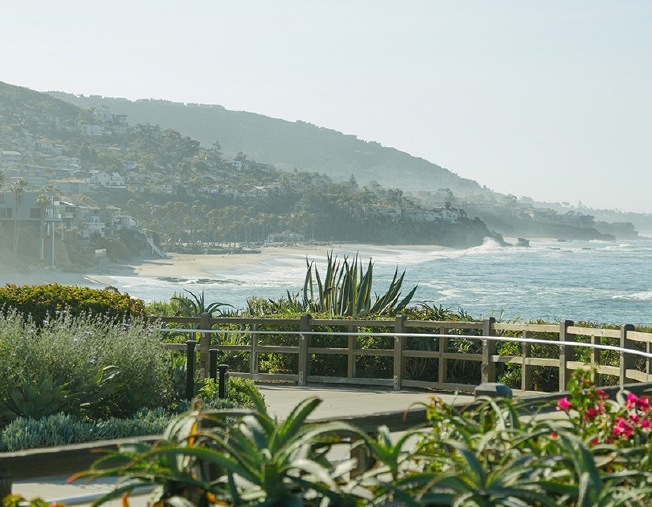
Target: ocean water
column 603, row 282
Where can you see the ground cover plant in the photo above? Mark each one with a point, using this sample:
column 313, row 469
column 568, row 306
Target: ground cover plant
column 484, row 455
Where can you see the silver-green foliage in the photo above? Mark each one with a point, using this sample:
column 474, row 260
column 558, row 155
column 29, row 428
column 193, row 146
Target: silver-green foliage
column 67, row 429
column 346, row 290
column 73, row 351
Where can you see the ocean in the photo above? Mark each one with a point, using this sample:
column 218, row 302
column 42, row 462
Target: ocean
column 602, row 282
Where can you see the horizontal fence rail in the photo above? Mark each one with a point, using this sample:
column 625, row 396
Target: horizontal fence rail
column 440, row 355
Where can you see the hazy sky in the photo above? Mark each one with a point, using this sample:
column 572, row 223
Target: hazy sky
column 548, row 99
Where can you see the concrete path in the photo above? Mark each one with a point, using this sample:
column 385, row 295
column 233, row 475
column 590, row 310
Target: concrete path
column 337, row 402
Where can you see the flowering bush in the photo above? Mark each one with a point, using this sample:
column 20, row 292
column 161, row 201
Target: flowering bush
column 42, row 302
column 625, row 421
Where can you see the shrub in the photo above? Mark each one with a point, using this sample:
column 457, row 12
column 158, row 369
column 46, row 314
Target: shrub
column 70, row 352
column 241, row 391
column 42, row 302
column 625, row 421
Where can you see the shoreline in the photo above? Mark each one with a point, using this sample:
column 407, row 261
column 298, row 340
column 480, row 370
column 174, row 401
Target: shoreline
column 206, row 266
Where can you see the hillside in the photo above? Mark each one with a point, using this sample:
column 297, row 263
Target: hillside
column 286, row 145
column 299, row 145
column 110, row 186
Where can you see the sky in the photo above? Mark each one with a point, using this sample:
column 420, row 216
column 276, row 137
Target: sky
column 546, row 99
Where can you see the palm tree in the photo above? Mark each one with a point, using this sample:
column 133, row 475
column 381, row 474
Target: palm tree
column 18, row 189
column 42, row 201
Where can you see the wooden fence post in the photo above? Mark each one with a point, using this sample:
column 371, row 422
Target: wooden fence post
column 488, row 368
column 595, row 359
column 626, row 360
column 566, row 353
column 526, row 368
column 399, row 343
column 442, row 373
column 253, row 366
column 304, row 344
column 350, row 359
column 204, row 344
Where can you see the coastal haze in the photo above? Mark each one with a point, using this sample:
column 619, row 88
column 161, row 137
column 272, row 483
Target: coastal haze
column 458, row 134
column 547, row 100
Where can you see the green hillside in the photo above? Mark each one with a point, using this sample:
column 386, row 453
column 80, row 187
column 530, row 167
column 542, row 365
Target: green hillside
column 286, row 145
column 118, row 178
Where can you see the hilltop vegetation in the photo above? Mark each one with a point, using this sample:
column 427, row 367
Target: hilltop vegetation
column 286, row 145
column 185, row 192
column 290, row 145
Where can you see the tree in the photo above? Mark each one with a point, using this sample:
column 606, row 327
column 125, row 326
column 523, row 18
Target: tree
column 18, row 189
column 42, row 201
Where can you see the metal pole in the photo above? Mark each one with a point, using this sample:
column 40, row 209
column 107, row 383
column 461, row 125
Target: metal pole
column 213, row 363
column 223, row 391
column 190, row 369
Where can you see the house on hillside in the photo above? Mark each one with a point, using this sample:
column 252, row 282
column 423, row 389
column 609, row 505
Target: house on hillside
column 71, row 185
column 10, row 158
column 387, row 210
column 25, row 210
column 285, row 237
column 106, row 180
column 92, row 130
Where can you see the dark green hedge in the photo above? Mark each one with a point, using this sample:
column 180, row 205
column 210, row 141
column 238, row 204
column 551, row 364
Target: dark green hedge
column 42, row 301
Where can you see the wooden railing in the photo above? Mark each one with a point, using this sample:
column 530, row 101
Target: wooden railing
column 633, row 348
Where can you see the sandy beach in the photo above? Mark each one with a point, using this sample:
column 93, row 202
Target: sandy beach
column 202, row 266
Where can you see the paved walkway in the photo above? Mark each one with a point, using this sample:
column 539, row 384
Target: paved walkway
column 337, row 402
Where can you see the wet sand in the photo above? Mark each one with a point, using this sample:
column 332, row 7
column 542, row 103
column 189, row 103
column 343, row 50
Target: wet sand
column 199, row 266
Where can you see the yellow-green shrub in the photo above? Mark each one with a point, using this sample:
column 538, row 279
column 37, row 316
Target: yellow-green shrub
column 41, row 302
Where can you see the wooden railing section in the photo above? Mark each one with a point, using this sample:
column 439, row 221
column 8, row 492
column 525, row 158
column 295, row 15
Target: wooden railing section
column 435, row 338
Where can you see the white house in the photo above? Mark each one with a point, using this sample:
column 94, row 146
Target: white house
column 92, row 130
column 106, row 180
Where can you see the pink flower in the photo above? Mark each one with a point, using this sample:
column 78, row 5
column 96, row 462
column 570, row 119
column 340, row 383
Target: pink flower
column 590, row 413
column 643, row 404
column 622, row 428
column 631, row 402
column 564, row 404
column 645, row 423
column 602, row 395
column 595, row 441
column 635, row 418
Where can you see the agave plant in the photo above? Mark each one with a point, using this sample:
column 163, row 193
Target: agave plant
column 236, row 457
column 346, row 290
column 44, row 396
column 195, row 305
